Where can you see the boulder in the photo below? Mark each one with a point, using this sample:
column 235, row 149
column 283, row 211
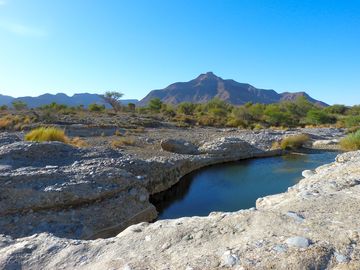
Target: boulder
column 179, row 146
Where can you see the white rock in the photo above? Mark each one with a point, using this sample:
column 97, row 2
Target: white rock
column 340, row 258
column 298, row 241
column 230, row 259
column 308, row 173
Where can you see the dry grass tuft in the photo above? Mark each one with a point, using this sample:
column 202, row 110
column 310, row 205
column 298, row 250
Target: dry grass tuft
column 78, row 142
column 294, row 142
column 45, row 134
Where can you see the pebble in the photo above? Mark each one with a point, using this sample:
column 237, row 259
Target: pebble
column 147, row 238
column 308, row 173
column 298, row 241
column 340, row 258
column 295, row 216
column 280, row 248
column 230, row 259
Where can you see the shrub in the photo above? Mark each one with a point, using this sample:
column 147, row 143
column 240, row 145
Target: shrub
column 155, row 105
column 43, row 134
column 318, row 117
column 186, row 108
column 5, row 123
column 352, row 121
column 96, row 107
column 131, row 107
column 3, row 108
column 54, row 106
column 19, row 105
column 351, row 141
column 47, row 134
column 294, row 142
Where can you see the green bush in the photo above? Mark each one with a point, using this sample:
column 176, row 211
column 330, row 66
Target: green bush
column 94, row 107
column 275, row 116
column 319, row 117
column 352, row 121
column 19, row 105
column 351, row 142
column 155, row 105
column 186, row 108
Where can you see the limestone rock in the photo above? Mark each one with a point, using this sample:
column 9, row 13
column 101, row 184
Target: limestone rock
column 70, row 192
column 298, row 241
column 307, row 173
column 179, row 146
column 225, row 146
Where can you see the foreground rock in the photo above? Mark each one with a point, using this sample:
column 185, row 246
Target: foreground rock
column 67, row 191
column 98, row 192
column 315, row 225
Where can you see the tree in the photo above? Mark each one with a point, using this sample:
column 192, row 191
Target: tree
column 19, row 105
column 336, row 109
column 113, row 99
column 155, row 104
column 276, row 117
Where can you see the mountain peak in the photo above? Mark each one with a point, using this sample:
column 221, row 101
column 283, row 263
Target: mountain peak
column 208, row 86
column 208, row 75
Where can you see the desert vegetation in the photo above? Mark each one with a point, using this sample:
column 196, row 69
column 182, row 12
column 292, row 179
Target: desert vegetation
column 351, row 141
column 46, row 134
column 216, row 112
column 292, row 142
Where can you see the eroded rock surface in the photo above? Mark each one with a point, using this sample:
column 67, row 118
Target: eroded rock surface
column 315, row 225
column 71, row 192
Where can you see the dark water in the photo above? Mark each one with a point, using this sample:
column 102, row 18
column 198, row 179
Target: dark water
column 236, row 185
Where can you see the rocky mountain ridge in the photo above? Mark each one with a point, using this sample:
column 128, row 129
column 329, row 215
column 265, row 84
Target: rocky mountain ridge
column 208, row 86
column 75, row 100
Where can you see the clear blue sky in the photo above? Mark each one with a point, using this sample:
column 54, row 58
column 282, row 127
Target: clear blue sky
column 135, row 46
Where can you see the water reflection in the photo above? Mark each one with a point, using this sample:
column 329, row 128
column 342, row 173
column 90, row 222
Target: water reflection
column 236, row 185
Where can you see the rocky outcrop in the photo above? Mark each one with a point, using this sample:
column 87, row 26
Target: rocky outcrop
column 326, row 144
column 97, row 192
column 67, row 191
column 314, row 225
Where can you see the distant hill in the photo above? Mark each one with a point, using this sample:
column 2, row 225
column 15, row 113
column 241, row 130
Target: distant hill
column 4, row 100
column 75, row 100
column 208, row 86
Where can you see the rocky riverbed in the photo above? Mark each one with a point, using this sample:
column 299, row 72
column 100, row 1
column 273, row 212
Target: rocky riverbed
column 52, row 190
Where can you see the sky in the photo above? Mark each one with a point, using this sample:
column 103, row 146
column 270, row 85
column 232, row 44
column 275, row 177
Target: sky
column 134, row 46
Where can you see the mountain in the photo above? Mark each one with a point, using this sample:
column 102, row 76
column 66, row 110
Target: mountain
column 4, row 100
column 60, row 98
column 208, row 86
